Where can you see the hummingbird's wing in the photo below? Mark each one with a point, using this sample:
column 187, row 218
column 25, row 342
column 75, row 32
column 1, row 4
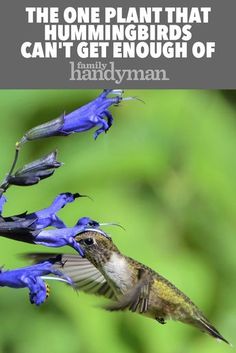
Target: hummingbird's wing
column 84, row 275
column 137, row 298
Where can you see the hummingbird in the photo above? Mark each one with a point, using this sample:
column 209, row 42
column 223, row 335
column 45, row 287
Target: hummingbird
column 128, row 283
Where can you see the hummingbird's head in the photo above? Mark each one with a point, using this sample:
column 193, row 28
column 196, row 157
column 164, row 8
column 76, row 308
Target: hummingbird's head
column 96, row 245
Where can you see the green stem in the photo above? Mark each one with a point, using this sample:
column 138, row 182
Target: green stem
column 4, row 186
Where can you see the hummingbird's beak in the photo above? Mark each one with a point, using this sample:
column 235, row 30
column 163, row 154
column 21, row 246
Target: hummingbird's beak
column 97, row 230
column 76, row 195
column 112, row 224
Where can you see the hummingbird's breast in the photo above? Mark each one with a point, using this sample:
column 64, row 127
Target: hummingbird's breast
column 118, row 273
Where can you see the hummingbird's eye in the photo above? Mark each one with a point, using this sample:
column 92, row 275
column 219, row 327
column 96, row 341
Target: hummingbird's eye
column 89, row 241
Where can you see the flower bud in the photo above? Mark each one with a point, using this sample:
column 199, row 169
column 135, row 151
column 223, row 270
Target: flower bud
column 35, row 171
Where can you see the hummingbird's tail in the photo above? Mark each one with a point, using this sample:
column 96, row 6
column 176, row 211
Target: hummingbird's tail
column 205, row 326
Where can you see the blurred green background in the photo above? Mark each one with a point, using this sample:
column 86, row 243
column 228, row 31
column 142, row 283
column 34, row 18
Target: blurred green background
column 166, row 171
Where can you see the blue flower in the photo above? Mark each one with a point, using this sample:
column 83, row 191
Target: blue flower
column 47, row 217
column 24, row 223
column 66, row 236
column 3, row 200
column 27, row 230
column 93, row 114
column 32, row 277
column 20, row 227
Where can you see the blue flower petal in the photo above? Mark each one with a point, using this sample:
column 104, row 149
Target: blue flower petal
column 37, row 290
column 3, row 200
column 31, row 277
column 47, row 217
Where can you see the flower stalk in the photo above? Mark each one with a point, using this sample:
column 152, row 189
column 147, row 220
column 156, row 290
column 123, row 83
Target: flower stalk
column 33, row 227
